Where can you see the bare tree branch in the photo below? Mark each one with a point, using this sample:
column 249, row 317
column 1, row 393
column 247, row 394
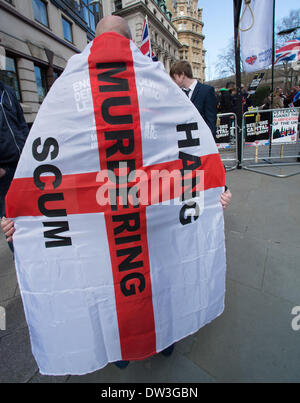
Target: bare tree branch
column 226, row 64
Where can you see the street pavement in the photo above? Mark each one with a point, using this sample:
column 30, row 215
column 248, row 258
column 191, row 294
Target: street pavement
column 254, row 340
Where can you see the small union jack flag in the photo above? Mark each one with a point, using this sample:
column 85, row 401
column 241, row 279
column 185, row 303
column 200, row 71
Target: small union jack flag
column 146, row 44
column 289, row 52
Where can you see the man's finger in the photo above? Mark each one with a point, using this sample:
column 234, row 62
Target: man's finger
column 9, row 232
column 7, row 227
column 226, row 199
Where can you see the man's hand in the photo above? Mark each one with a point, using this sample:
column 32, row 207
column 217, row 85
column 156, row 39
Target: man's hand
column 2, row 172
column 8, row 228
column 225, row 198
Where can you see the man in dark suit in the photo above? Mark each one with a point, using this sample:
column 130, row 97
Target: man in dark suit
column 203, row 96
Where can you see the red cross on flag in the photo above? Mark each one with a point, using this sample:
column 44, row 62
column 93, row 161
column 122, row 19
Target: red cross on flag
column 119, row 242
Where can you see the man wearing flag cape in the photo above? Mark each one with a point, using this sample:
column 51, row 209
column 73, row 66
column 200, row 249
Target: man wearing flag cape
column 111, row 238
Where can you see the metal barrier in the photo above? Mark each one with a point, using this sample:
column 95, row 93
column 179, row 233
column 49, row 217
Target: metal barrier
column 226, row 139
column 270, row 138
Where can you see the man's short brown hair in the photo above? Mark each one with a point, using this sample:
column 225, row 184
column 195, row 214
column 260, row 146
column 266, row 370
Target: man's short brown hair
column 182, row 67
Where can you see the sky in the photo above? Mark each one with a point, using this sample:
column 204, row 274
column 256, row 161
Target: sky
column 218, row 27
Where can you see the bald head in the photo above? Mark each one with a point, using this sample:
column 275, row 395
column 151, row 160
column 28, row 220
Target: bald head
column 113, row 23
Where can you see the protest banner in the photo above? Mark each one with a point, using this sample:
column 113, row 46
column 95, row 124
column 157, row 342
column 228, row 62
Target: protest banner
column 257, row 127
column 256, row 35
column 255, row 82
column 223, row 133
column 285, row 124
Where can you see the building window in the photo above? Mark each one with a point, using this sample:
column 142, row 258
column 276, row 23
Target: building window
column 41, row 82
column 90, row 13
column 40, row 12
column 118, row 5
column 56, row 74
column 9, row 75
column 67, row 30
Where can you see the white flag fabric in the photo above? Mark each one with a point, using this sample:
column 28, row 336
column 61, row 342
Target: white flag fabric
column 124, row 280
column 257, row 35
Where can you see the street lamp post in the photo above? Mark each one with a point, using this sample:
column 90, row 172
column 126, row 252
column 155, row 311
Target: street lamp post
column 237, row 5
column 273, row 55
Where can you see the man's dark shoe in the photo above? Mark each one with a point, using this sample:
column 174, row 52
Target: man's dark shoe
column 168, row 351
column 122, row 364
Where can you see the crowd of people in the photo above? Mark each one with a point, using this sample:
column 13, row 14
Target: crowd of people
column 281, row 99
column 227, row 99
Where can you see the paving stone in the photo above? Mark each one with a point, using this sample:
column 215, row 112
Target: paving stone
column 38, row 378
column 8, row 285
column 246, row 258
column 275, row 225
column 252, row 341
column 17, row 364
column 243, row 180
column 236, row 222
column 184, row 346
column 282, row 276
column 6, row 258
column 15, row 317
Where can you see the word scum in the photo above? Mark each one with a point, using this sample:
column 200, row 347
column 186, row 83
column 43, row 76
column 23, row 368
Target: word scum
column 50, row 148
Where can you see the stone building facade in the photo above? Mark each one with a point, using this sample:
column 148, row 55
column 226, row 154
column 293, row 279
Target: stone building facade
column 187, row 19
column 37, row 37
column 163, row 34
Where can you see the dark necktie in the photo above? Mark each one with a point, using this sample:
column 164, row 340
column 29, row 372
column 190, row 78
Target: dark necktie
column 186, row 91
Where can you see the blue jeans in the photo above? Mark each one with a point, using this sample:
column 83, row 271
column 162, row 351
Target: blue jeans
column 5, row 182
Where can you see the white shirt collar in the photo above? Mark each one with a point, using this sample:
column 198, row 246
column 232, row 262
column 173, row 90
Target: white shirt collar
column 191, row 87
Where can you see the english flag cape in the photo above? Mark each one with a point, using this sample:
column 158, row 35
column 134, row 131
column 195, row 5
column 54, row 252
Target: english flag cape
column 126, row 279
